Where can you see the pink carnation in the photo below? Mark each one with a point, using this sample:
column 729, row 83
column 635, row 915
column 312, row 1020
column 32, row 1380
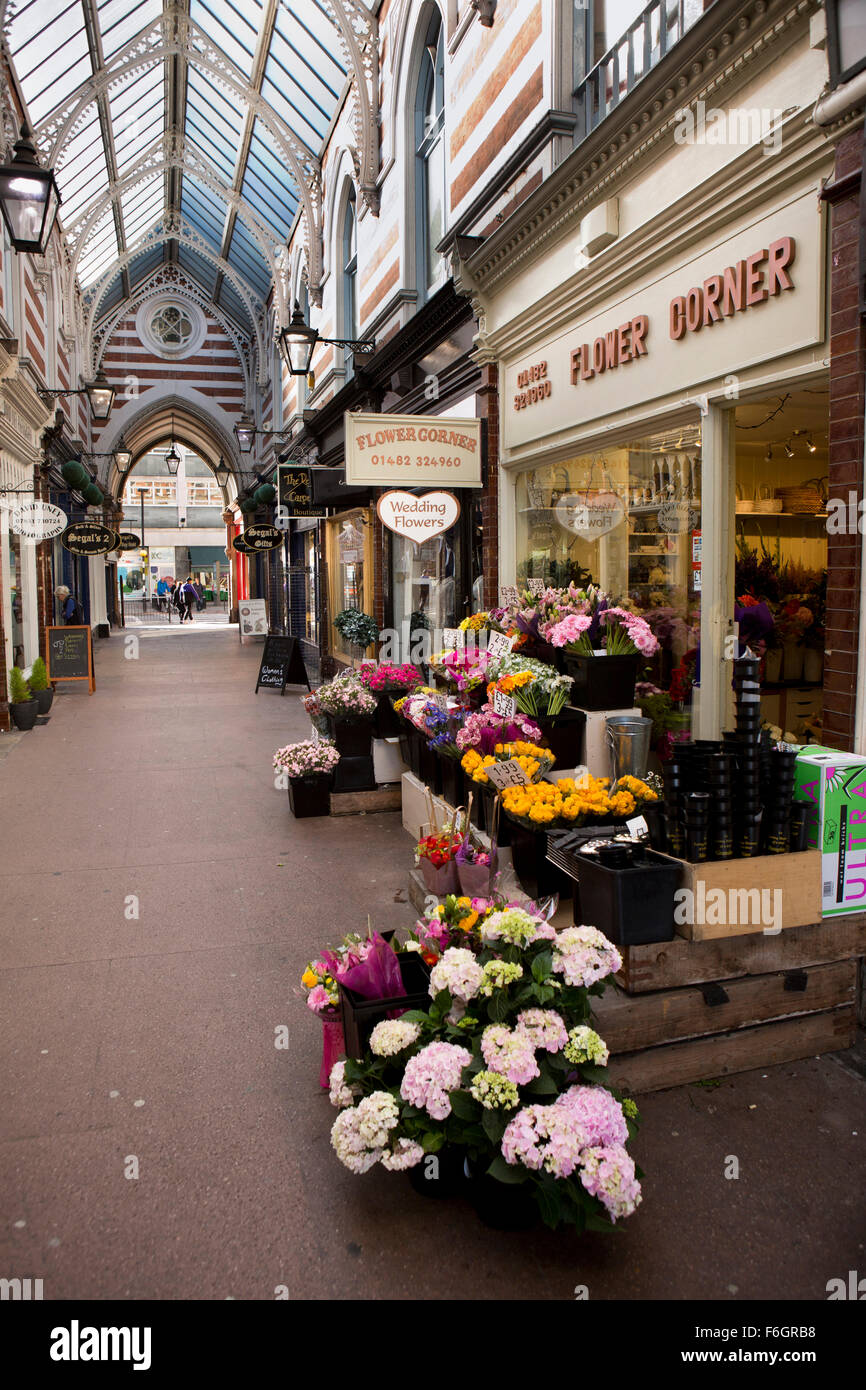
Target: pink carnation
column 571, row 629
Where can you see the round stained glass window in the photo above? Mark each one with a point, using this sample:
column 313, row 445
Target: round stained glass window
column 172, row 326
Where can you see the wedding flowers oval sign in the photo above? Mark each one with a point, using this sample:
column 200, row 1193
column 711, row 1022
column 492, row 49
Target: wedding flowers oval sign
column 418, row 517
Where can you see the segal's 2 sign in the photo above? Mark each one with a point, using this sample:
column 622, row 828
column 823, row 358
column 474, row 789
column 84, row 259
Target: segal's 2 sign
column 412, row 450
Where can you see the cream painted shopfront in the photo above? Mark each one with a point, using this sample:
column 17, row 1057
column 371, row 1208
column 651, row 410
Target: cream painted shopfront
column 647, row 444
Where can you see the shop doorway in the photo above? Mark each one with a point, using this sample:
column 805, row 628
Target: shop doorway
column 780, row 561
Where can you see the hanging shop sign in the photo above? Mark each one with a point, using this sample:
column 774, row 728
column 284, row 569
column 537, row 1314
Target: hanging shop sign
column 295, row 491
column 38, row 521
column 740, row 302
column 418, row 518
column 415, row 450
column 89, row 538
column 260, row 537
column 70, row 654
column 590, row 514
column 129, row 540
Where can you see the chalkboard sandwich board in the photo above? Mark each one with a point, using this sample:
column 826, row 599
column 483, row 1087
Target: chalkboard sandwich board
column 282, row 664
column 70, row 654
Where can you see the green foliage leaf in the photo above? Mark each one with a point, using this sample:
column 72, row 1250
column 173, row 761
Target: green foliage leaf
column 433, row 1141
column 415, row 1016
column 506, row 1172
column 549, row 1204
column 465, row 1107
column 497, row 1009
column 594, row 1075
column 495, row 1123
column 541, row 966
column 543, row 1085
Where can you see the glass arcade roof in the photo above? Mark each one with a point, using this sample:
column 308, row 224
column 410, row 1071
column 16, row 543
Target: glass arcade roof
column 157, row 152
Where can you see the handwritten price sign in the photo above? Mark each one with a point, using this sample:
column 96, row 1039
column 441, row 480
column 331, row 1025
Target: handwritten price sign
column 498, row 644
column 503, row 704
column 510, row 596
column 452, row 638
column 536, row 586
column 508, row 774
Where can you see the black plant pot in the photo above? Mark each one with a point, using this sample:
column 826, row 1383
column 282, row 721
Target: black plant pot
column 44, row 699
column 451, row 775
column 603, row 682
column 24, row 713
column 538, row 877
column 353, row 737
column 409, row 747
column 443, row 1178
column 430, row 767
column 354, row 775
column 504, row 1206
column 564, row 733
column 311, row 795
column 386, row 721
column 506, row 825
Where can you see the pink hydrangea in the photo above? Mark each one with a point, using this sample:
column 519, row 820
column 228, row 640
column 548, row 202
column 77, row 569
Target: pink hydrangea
column 607, row 1172
column 510, row 1053
column 583, row 955
column 598, row 1113
column 545, row 1027
column 431, row 1074
column 544, row 1136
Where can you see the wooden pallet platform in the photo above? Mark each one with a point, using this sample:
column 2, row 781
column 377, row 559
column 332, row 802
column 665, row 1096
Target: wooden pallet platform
column 670, row 964
column 353, row 803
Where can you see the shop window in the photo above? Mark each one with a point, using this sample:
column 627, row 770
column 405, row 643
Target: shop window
column 429, row 588
column 430, row 157
column 629, row 521
column 780, row 560
column 351, row 579
column 350, row 274
column 9, row 268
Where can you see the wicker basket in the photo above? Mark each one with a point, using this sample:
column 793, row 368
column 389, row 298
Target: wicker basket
column 800, row 499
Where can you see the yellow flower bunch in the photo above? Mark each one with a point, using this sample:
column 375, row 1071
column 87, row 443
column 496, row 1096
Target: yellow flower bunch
column 520, row 748
column 475, row 622
column 569, row 802
column 639, row 790
column 507, row 684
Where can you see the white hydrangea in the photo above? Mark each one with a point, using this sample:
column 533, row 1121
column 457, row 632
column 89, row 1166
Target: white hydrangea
column 406, row 1154
column 457, row 971
column 392, row 1035
column 377, row 1115
column 349, row 1146
column 341, row 1094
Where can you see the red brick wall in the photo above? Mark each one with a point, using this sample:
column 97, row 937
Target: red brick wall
column 847, row 366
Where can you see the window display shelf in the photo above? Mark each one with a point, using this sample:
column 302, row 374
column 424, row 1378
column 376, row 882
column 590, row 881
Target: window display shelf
column 800, row 516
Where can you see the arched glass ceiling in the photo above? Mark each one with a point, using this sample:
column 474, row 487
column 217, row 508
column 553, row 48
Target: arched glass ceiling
column 287, row 50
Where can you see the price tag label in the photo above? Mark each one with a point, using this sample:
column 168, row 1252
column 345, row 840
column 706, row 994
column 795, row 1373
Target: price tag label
column 452, row 638
column 503, row 704
column 498, row 644
column 508, row 774
column 637, row 828
column 440, row 701
column 537, row 586
column 510, row 596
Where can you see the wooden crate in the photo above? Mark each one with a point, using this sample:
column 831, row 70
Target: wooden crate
column 796, row 876
column 721, row 1054
column 629, row 1022
column 377, row 799
column 669, row 964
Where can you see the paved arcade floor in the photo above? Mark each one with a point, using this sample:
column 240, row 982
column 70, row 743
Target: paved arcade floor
column 151, row 1038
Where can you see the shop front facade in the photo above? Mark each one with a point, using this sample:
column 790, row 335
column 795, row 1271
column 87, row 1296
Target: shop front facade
column 664, row 412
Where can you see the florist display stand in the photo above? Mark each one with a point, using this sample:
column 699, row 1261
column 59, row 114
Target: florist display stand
column 602, row 681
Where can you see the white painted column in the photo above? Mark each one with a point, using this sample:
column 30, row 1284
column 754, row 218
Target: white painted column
column 717, row 571
column 5, row 588
column 29, row 604
column 98, row 605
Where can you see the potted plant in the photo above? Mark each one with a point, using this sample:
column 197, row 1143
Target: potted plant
column 309, row 771
column 39, row 685
column 357, row 628
column 349, row 707
column 22, row 705
column 503, row 1068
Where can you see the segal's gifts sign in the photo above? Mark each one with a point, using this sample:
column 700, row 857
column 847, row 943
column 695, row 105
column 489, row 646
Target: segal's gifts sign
column 412, row 451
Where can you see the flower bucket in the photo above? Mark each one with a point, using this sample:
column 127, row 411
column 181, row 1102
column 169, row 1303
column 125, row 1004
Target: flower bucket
column 333, row 1045
column 603, row 682
column 442, row 880
column 386, row 721
column 353, row 737
column 429, row 767
column 564, row 733
column 451, row 779
column 536, row 875
column 361, row 1015
column 311, row 795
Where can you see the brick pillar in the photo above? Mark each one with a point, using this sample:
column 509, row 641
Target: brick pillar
column 44, row 590
column 488, row 409
column 380, row 553
column 847, row 365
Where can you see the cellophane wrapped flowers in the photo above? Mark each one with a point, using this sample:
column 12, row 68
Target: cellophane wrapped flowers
column 315, row 758
column 505, row 1066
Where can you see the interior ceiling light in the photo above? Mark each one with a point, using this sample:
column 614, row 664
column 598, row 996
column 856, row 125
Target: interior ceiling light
column 810, row 445
column 788, row 450
column 768, row 457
